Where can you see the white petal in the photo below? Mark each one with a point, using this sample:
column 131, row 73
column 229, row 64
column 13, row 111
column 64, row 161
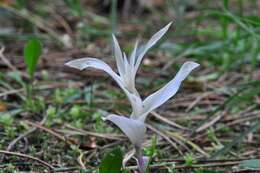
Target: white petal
column 128, row 77
column 170, row 89
column 118, row 56
column 133, row 129
column 133, row 56
column 83, row 63
column 150, row 44
column 87, row 62
column 126, row 64
column 137, row 106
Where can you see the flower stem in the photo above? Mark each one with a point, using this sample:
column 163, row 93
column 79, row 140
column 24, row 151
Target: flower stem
column 140, row 160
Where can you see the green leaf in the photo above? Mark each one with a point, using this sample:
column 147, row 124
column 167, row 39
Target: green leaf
column 32, row 52
column 112, row 162
column 253, row 163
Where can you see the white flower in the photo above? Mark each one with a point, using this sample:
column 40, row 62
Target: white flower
column 127, row 68
column 134, row 126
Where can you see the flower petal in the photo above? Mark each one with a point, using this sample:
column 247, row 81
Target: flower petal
column 170, row 89
column 133, row 129
column 137, row 106
column 118, row 56
column 87, row 62
column 128, row 78
column 83, row 63
column 150, row 44
column 126, row 64
column 133, row 56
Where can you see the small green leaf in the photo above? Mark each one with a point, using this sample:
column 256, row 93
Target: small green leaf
column 32, row 52
column 253, row 163
column 112, row 162
column 6, row 120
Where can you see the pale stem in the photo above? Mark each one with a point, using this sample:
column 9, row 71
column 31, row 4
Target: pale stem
column 140, row 160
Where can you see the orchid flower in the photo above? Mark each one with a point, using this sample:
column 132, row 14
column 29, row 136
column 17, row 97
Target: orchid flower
column 134, row 127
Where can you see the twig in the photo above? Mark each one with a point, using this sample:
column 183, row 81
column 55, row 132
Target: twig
column 192, row 144
column 165, row 137
column 112, row 144
column 197, row 100
column 165, row 164
column 60, row 137
column 28, row 157
column 6, row 61
column 11, row 92
column 81, row 161
column 247, row 170
column 13, row 68
column 128, row 156
column 243, row 119
column 12, row 144
column 83, row 132
column 65, row 169
column 211, row 123
column 165, row 120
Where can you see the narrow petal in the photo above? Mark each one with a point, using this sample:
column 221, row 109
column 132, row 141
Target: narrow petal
column 170, row 89
column 150, row 44
column 83, row 63
column 128, row 77
column 118, row 56
column 126, row 64
column 88, row 62
column 137, row 106
column 133, row 129
column 133, row 56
